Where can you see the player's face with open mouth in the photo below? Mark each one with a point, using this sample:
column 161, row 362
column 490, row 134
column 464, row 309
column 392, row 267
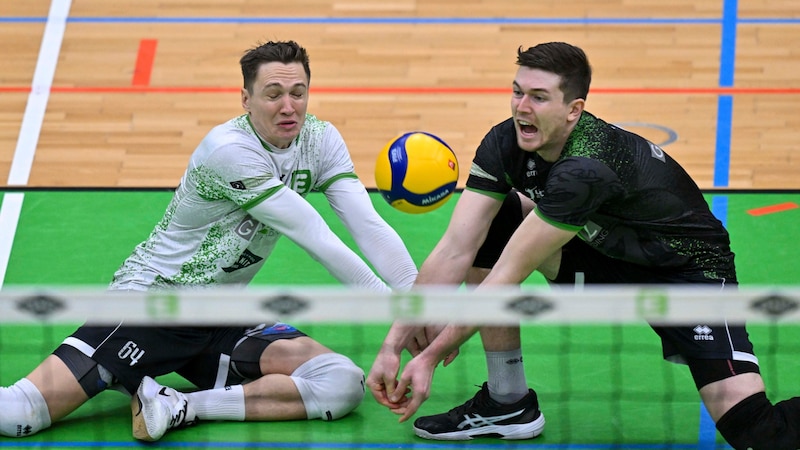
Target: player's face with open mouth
column 278, row 103
column 541, row 118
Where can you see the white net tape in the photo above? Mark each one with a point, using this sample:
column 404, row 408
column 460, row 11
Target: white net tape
column 616, row 304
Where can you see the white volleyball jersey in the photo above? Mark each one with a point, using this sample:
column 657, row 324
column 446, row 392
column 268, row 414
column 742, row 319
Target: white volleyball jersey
column 207, row 236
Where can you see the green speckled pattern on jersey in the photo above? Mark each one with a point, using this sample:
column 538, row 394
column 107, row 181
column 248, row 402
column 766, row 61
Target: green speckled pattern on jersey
column 206, row 236
column 624, row 196
column 589, row 139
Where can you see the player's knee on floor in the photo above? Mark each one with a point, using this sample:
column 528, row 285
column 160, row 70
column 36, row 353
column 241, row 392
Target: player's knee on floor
column 24, row 410
column 92, row 377
column 246, row 355
column 331, row 386
column 754, row 423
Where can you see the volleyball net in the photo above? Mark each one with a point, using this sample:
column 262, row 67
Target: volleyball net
column 658, row 304
column 589, row 354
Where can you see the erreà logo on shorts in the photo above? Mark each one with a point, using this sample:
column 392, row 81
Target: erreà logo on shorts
column 703, row 333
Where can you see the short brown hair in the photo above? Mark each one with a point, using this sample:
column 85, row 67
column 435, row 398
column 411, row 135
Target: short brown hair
column 565, row 60
column 286, row 52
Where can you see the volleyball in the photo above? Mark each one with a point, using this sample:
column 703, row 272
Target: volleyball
column 416, row 172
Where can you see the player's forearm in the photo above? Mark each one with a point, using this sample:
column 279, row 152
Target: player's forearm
column 384, row 248
column 398, row 337
column 289, row 214
column 446, row 342
column 379, row 242
column 324, row 246
column 446, row 265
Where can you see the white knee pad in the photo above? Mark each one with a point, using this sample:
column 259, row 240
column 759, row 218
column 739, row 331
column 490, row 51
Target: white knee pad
column 24, row 411
column 331, row 386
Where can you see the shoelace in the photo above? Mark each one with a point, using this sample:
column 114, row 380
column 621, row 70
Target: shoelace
column 179, row 417
column 459, row 411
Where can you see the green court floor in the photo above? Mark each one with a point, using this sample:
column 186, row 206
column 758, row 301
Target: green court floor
column 600, row 387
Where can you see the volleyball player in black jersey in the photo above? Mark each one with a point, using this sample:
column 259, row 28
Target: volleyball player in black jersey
column 607, row 207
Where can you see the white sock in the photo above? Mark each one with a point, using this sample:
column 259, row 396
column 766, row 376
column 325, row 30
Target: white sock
column 24, row 410
column 218, row 404
column 506, row 376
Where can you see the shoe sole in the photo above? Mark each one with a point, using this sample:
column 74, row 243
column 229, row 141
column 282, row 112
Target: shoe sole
column 514, row 431
column 138, row 425
column 140, row 408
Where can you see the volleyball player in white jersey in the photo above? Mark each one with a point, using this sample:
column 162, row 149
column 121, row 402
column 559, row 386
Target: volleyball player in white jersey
column 243, row 189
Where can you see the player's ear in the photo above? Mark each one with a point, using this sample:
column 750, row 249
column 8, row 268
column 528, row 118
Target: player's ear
column 576, row 109
column 245, row 100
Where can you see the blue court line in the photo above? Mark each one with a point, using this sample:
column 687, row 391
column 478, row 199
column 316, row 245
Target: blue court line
column 722, row 152
column 416, row 20
column 727, row 59
column 707, row 430
column 769, row 20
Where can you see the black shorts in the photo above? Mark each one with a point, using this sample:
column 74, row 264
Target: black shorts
column 208, row 357
column 581, row 264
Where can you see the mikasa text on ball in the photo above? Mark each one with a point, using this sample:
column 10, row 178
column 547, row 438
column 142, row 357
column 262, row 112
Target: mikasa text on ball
column 416, row 172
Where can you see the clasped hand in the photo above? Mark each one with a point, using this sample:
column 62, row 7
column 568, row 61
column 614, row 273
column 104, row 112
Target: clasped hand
column 404, row 396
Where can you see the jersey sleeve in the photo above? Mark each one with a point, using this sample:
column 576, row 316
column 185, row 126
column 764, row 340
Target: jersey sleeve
column 336, row 160
column 487, row 174
column 379, row 242
column 237, row 173
column 576, row 188
column 291, row 215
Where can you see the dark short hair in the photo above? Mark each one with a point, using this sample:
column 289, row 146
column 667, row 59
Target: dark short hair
column 565, row 60
column 286, row 52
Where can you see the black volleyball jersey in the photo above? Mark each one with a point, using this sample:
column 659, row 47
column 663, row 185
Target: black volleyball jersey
column 623, row 195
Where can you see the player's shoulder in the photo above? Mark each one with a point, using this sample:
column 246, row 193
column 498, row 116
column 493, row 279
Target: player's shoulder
column 314, row 125
column 322, row 138
column 317, row 132
column 593, row 138
column 229, row 141
column 237, row 130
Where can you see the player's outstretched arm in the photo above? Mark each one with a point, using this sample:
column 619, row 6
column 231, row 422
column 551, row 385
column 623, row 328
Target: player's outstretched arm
column 378, row 242
column 290, row 214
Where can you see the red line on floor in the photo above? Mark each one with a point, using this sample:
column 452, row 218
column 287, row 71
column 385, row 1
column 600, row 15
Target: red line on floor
column 144, row 62
column 772, row 209
column 144, row 88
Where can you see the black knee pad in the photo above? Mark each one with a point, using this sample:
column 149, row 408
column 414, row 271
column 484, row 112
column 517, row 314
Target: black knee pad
column 246, row 355
column 754, row 423
column 85, row 369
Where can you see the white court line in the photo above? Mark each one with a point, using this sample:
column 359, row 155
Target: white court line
column 31, row 126
column 9, row 216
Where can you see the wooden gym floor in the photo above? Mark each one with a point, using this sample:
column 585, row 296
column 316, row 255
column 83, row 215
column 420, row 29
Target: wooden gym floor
column 118, row 94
